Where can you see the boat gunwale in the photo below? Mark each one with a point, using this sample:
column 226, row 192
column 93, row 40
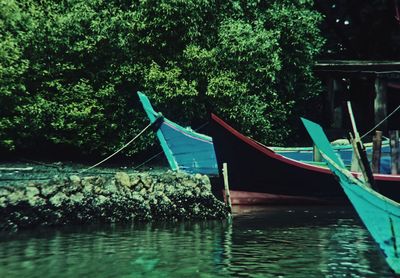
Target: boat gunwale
column 271, row 153
column 310, row 149
column 188, row 132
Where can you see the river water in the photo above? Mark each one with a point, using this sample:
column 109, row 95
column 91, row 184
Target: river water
column 258, row 242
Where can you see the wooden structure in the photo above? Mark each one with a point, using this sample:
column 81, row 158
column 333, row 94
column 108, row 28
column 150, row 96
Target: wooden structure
column 372, row 86
column 394, row 151
column 376, row 151
column 259, row 175
column 227, row 194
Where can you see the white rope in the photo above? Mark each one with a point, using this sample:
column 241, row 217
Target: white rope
column 387, row 117
column 123, row 147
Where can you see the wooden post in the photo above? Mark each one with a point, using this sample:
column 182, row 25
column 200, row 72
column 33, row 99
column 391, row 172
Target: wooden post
column 380, row 102
column 354, row 163
column 317, row 157
column 376, row 151
column 226, row 186
column 16, row 169
column 359, row 150
column 336, row 112
column 394, row 151
column 355, row 160
column 330, row 99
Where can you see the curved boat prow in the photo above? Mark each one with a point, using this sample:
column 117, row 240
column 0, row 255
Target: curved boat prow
column 185, row 149
column 321, row 141
column 380, row 214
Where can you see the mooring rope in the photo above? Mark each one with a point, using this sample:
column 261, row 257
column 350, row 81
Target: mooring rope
column 148, row 160
column 387, row 117
column 110, row 156
column 123, row 147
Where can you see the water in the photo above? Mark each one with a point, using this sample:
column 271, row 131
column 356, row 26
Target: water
column 260, row 242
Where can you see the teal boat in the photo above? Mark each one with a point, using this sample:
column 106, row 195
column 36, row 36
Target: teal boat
column 380, row 214
column 194, row 152
column 185, row 149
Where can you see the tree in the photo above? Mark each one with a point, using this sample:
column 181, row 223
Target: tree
column 71, row 68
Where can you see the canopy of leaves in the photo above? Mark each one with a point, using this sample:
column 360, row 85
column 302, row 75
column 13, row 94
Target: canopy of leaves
column 70, row 69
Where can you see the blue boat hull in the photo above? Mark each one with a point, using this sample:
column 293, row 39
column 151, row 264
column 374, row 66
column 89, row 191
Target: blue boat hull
column 380, row 214
column 185, row 149
column 305, row 154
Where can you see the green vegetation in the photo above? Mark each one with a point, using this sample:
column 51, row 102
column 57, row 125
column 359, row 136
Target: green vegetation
column 69, row 69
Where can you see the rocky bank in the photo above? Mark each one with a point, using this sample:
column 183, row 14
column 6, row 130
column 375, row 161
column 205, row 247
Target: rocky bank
column 97, row 199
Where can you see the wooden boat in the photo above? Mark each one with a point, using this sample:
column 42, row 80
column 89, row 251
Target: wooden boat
column 171, row 145
column 258, row 175
column 380, row 214
column 185, row 149
column 287, row 180
column 345, row 151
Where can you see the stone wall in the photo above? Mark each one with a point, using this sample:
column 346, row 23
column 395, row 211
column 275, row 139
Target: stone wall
column 122, row 198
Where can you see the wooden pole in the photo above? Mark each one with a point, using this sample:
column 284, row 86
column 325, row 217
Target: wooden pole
column 362, row 160
column 394, row 151
column 336, row 115
column 331, row 91
column 353, row 122
column 354, row 162
column 376, row 151
column 359, row 150
column 16, row 169
column 380, row 102
column 317, row 157
column 226, row 186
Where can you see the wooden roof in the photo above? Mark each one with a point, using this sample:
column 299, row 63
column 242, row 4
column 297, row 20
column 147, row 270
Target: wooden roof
column 358, row 67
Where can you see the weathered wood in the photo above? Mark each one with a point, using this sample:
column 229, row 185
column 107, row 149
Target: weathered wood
column 317, row 157
column 380, row 102
column 376, row 151
column 330, row 97
column 354, row 163
column 394, row 151
column 356, row 67
column 335, row 113
column 363, row 163
column 226, row 186
column 359, row 150
column 355, row 160
column 359, row 64
column 353, row 122
column 16, row 169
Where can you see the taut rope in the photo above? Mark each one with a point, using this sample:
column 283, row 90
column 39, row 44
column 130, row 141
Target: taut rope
column 123, row 147
column 387, row 117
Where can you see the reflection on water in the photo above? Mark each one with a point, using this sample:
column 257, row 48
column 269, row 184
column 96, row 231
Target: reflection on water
column 259, row 242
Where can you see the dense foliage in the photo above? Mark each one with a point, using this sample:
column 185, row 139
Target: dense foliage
column 70, row 69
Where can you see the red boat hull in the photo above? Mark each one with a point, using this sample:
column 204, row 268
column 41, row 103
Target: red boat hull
column 256, row 198
column 269, row 178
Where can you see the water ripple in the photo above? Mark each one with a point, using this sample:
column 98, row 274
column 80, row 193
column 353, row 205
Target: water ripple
column 260, row 242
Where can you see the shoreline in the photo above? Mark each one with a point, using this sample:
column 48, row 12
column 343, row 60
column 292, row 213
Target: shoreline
column 119, row 198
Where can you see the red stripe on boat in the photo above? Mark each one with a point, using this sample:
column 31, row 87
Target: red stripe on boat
column 267, row 151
